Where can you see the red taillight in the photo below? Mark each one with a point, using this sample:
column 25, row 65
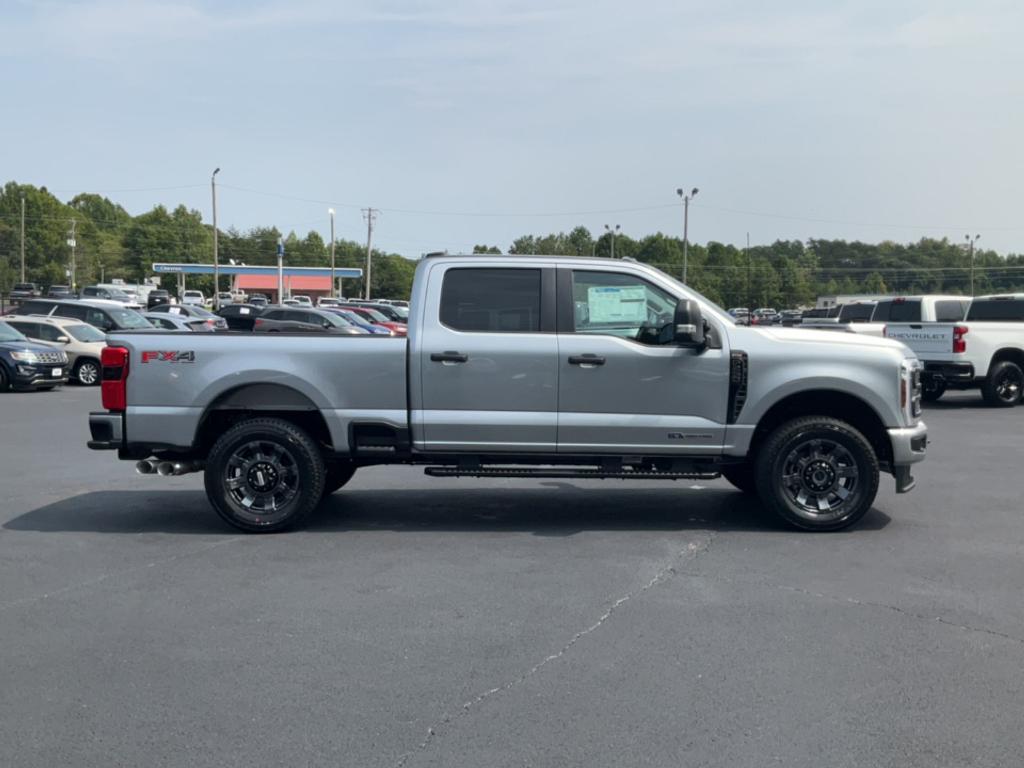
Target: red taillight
column 959, row 342
column 257, row 323
column 115, row 373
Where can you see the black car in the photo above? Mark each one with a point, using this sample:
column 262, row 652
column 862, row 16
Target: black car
column 25, row 364
column 192, row 311
column 106, row 316
column 157, row 297
column 240, row 317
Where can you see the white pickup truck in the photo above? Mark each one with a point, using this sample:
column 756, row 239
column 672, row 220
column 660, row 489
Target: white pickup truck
column 869, row 318
column 986, row 350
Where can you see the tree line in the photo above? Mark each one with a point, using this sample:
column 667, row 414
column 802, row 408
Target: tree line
column 111, row 243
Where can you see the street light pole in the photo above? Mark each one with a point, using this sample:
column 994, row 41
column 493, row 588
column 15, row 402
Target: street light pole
column 334, row 284
column 970, row 244
column 23, row 237
column 216, row 266
column 612, row 233
column 686, row 227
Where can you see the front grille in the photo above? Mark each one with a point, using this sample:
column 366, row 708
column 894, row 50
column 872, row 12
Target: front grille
column 51, row 358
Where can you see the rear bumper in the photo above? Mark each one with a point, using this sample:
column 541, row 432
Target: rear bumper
column 106, row 430
column 909, row 446
column 948, row 373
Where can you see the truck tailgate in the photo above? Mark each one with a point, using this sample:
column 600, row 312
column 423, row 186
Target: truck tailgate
column 930, row 341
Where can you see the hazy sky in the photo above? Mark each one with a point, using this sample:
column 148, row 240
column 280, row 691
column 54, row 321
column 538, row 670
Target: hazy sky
column 867, row 120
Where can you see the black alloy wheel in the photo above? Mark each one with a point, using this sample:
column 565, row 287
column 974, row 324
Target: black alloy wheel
column 1004, row 385
column 817, row 473
column 264, row 474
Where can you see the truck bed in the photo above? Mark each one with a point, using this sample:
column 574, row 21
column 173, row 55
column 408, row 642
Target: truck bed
column 174, row 377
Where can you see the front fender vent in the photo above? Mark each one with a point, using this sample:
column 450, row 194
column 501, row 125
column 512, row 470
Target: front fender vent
column 737, row 384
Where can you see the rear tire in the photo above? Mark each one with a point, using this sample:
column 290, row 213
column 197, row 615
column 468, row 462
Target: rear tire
column 817, row 473
column 264, row 475
column 1004, row 385
column 741, row 476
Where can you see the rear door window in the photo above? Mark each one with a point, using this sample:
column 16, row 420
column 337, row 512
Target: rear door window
column 950, row 311
column 36, row 307
column 898, row 311
column 486, row 300
column 31, row 330
column 49, row 332
column 856, row 313
column 996, row 310
column 75, row 312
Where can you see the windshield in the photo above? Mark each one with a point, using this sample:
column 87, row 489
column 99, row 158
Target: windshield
column 200, row 312
column 402, row 312
column 377, row 316
column 9, row 334
column 129, row 318
column 120, row 296
column 84, row 333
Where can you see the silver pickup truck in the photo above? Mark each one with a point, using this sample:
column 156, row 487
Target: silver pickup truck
column 522, row 367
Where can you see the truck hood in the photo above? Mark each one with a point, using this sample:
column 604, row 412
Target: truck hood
column 790, row 335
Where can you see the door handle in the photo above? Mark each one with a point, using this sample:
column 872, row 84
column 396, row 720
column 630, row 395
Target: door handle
column 587, row 360
column 448, row 357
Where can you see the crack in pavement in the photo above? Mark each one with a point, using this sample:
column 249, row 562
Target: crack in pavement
column 103, row 577
column 688, row 555
column 856, row 601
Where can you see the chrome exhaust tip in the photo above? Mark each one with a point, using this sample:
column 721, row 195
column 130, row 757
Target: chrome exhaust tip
column 145, row 467
column 165, row 469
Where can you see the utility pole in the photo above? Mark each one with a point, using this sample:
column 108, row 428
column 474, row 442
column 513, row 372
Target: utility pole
column 612, row 233
column 280, row 270
column 23, row 237
column 970, row 244
column 73, row 243
column 686, row 226
column 334, row 284
column 370, row 214
column 216, row 267
column 750, row 296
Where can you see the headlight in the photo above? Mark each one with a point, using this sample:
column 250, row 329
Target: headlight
column 25, row 357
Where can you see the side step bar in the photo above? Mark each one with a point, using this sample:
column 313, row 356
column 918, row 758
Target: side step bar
column 570, row 473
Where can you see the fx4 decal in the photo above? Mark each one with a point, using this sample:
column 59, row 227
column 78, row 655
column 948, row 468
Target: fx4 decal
column 168, row 357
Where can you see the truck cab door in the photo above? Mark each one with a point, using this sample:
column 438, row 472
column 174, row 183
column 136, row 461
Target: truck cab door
column 624, row 386
column 484, row 361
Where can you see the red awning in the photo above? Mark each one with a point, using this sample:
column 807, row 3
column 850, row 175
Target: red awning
column 295, row 284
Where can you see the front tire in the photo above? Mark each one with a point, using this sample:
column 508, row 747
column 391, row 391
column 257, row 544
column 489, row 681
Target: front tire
column 1004, row 385
column 264, row 475
column 817, row 473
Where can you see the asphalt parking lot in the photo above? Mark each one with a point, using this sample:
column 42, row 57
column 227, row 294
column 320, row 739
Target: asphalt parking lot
column 425, row 622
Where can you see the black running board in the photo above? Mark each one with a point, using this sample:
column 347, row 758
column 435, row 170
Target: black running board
column 567, row 474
